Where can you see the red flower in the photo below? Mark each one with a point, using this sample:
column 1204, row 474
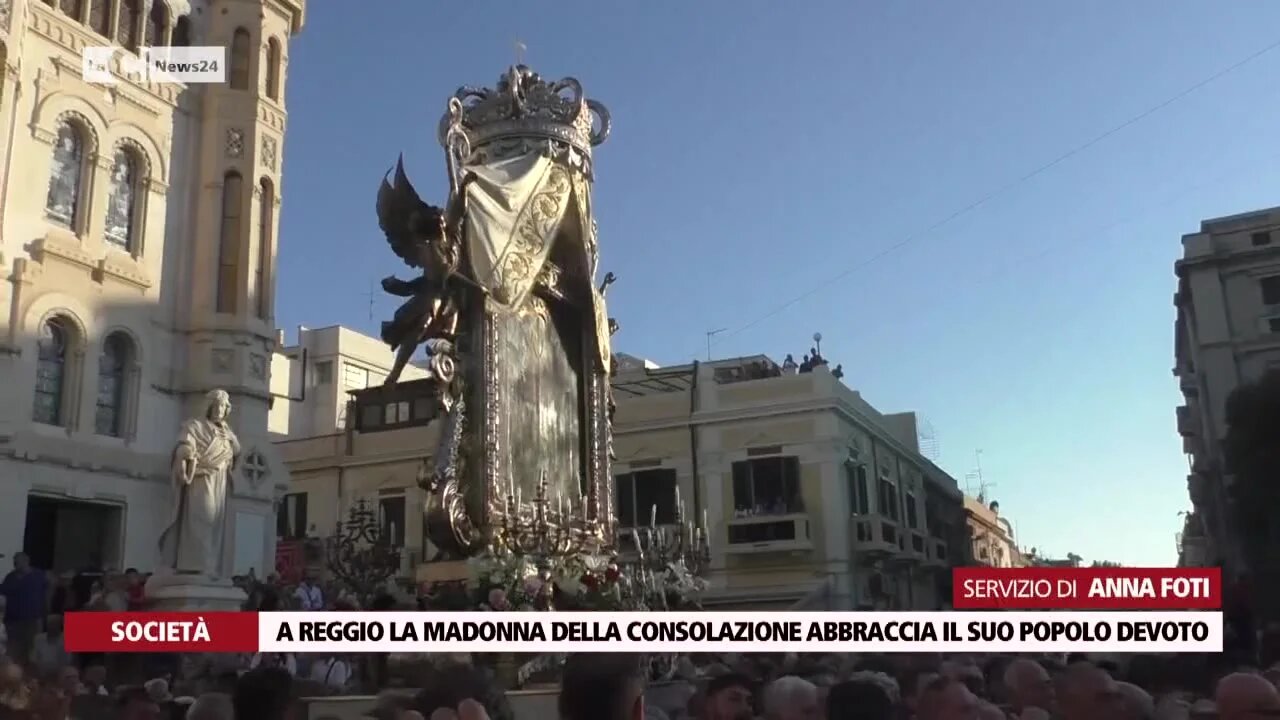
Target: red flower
column 589, row 581
column 612, row 573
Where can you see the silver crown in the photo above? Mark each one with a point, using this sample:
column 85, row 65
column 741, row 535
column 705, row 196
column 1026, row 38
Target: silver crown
column 523, row 105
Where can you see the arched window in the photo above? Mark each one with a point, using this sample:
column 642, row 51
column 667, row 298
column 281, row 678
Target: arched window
column 65, row 177
column 238, row 74
column 113, row 379
column 181, row 32
column 53, row 357
column 261, row 280
column 273, row 69
column 100, row 17
column 72, row 8
column 229, row 244
column 156, row 23
column 122, row 203
column 130, row 20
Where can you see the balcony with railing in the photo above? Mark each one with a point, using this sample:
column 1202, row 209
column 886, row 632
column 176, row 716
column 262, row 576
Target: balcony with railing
column 876, row 538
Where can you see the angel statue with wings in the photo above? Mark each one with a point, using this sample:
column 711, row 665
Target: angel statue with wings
column 428, row 238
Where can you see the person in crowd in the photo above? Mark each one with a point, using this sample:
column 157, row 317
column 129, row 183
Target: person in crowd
column 282, row 661
column 135, row 703
column 135, row 589
column 790, row 698
column 95, row 680
column 212, row 706
column 728, row 697
column 451, row 684
column 946, row 698
column 859, row 700
column 83, row 582
column 67, row 679
column 789, row 366
column 332, row 671
column 308, row 595
column 48, row 652
column 25, row 591
column 15, row 691
column 1136, row 703
column 1028, row 684
column 1087, row 692
column 264, row 694
column 59, row 593
column 1246, row 696
column 602, row 687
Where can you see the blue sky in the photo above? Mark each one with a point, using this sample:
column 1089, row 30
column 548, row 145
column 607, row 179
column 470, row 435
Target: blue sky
column 766, row 150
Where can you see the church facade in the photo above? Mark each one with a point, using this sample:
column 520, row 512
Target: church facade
column 138, row 233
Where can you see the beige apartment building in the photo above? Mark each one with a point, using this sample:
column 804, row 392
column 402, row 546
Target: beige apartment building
column 138, row 228
column 812, row 497
column 994, row 542
column 1227, row 333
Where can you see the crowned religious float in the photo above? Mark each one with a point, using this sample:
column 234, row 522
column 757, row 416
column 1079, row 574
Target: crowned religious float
column 506, row 303
column 517, row 336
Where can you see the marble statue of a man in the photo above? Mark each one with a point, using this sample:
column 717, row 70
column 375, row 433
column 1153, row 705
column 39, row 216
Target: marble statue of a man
column 204, row 459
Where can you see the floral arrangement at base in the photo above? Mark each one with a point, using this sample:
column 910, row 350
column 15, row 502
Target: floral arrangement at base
column 506, row 582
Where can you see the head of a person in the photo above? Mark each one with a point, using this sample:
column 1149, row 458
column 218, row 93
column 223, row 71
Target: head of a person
column 791, row 698
column 264, row 694
column 728, row 697
column 1087, row 692
column 134, row 703
column 602, row 687
column 1027, row 684
column 68, row 678
column 1246, row 696
column 447, row 685
column 95, row 676
column 21, row 562
column 859, row 700
column 212, row 706
column 132, row 577
column 1136, row 703
column 10, row 674
column 946, row 698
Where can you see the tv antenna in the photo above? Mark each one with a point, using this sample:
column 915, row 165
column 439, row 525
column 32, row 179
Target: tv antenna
column 975, row 477
column 372, row 296
column 711, row 334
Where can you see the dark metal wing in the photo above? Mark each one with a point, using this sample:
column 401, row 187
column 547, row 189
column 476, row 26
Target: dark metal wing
column 400, row 211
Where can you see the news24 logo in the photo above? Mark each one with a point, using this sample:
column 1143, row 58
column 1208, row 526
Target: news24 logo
column 104, row 65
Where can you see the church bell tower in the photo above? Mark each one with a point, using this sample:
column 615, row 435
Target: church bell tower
column 236, row 135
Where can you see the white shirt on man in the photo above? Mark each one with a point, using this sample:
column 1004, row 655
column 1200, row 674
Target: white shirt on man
column 309, row 597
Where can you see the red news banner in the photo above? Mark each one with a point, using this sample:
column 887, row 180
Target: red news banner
column 1046, row 588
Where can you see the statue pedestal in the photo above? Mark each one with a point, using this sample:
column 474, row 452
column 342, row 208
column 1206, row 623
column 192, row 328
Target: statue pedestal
column 179, row 593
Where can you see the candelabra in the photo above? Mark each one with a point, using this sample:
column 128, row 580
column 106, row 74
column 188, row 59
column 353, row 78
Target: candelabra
column 547, row 527
column 669, row 560
column 361, row 555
